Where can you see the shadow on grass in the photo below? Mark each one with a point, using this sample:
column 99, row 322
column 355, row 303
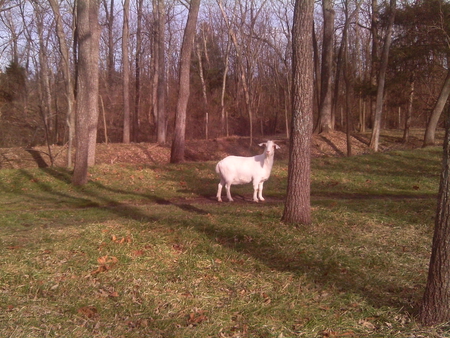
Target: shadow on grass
column 373, row 285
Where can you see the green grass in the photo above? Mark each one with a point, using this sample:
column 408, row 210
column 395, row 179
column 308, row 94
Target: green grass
column 145, row 251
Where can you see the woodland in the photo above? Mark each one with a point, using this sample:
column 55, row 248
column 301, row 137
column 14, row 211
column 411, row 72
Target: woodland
column 167, row 71
column 240, row 69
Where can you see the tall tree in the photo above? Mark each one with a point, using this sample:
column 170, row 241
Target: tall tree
column 435, row 307
column 430, row 131
column 298, row 207
column 160, row 71
column 109, row 11
column 374, row 140
column 44, row 77
column 325, row 105
column 87, row 88
column 126, row 72
column 67, row 76
column 137, row 98
column 178, row 144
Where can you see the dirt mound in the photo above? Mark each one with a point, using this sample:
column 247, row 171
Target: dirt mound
column 331, row 144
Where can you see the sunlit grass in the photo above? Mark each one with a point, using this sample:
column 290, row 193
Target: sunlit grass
column 146, row 251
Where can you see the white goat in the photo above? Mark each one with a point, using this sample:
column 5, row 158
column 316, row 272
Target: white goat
column 241, row 170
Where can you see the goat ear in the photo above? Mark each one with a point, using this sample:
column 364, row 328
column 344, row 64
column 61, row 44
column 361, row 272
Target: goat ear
column 262, row 144
column 276, row 146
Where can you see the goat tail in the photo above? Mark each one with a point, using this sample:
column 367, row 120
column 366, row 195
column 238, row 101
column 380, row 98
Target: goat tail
column 218, row 168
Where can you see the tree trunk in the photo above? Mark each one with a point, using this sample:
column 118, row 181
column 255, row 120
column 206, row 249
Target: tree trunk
column 178, row 145
column 87, row 88
column 435, row 308
column 126, row 72
column 239, row 56
column 317, row 74
column 137, row 98
column 298, row 207
column 374, row 56
column 409, row 111
column 374, row 140
column 110, row 26
column 429, row 138
column 161, row 70
column 223, row 113
column 44, row 83
column 205, row 97
column 68, row 86
column 325, row 108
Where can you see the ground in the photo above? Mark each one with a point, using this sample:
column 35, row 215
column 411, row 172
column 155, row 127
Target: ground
column 331, row 144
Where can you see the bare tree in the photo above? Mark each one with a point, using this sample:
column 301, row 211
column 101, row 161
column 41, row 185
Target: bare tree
column 67, row 76
column 138, row 55
column 246, row 53
column 198, row 51
column 435, row 307
column 298, row 207
column 408, row 115
column 430, row 131
column 87, row 88
column 374, row 140
column 126, row 72
column 325, row 107
column 178, row 144
column 160, row 71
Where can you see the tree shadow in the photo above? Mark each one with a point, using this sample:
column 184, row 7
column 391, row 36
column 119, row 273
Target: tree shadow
column 332, row 145
column 376, row 288
column 37, row 157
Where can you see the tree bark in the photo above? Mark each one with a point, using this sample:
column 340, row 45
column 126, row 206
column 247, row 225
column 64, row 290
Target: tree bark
column 178, row 144
column 68, row 85
column 87, row 88
column 161, row 70
column 374, row 69
column 435, row 307
column 137, row 60
column 223, row 113
column 408, row 115
column 126, row 72
column 205, row 97
column 325, row 108
column 374, row 140
column 429, row 139
column 297, row 208
column 44, row 83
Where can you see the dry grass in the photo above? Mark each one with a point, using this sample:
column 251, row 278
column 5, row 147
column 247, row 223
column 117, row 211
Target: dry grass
column 145, row 251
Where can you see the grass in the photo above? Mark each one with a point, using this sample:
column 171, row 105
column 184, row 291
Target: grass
column 145, row 251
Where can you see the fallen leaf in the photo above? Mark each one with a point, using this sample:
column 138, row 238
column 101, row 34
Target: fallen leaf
column 196, row 318
column 138, row 253
column 14, row 247
column 178, row 248
column 105, row 264
column 366, row 324
column 122, row 240
column 101, row 268
column 88, row 311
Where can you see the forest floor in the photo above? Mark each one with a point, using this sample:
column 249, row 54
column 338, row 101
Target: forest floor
column 333, row 144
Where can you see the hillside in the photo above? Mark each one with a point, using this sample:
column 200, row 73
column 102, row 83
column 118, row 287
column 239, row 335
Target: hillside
column 332, row 144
